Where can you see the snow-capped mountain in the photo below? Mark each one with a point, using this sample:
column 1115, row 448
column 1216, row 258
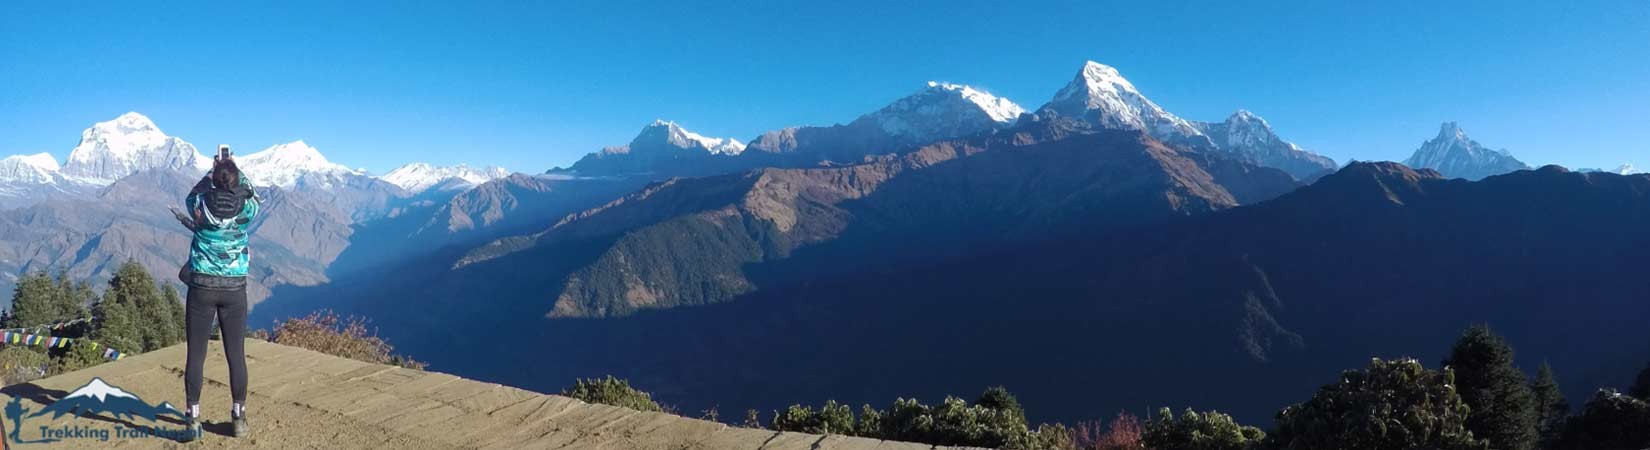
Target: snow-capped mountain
column 36, row 168
column 664, row 134
column 128, row 144
column 1624, row 169
column 1455, row 155
column 941, row 111
column 417, row 177
column 99, row 390
column 1249, row 137
column 282, row 165
column 1100, row 96
column 662, row 147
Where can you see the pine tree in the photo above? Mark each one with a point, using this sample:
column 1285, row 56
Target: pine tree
column 1503, row 408
column 1551, row 408
column 39, row 300
column 135, row 315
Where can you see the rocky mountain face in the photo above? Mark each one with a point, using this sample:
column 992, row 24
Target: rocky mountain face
column 661, row 150
column 88, row 238
column 938, row 111
column 1455, row 155
column 1248, row 137
column 1101, row 97
column 684, row 247
column 1259, row 291
column 36, row 168
column 942, row 111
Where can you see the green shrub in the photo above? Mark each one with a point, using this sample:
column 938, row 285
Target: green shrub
column 79, row 356
column 1393, row 405
column 1199, row 431
column 22, row 364
column 833, row 418
column 612, row 391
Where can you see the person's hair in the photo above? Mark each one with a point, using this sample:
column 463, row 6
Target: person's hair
column 225, row 175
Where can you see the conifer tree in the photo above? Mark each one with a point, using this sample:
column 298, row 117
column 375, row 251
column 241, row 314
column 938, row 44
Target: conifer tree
column 39, row 300
column 135, row 315
column 1550, row 405
column 1503, row 408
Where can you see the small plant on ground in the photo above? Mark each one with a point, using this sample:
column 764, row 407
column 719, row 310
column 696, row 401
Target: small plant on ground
column 325, row 332
column 612, row 391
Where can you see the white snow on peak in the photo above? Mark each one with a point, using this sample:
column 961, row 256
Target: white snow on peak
column 129, row 143
column 1099, row 94
column 1455, row 155
column 1245, row 129
column 36, row 168
column 682, row 138
column 941, row 111
column 1626, row 169
column 417, row 177
column 99, row 390
column 1000, row 109
column 282, row 165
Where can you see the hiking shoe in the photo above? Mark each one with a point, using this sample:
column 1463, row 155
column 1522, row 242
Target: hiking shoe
column 241, row 428
column 194, row 427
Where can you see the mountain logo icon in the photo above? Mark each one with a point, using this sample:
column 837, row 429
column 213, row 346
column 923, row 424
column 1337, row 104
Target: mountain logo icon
column 95, row 398
column 98, row 396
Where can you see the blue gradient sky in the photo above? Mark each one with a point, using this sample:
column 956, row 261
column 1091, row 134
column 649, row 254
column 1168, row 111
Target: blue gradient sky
column 527, row 86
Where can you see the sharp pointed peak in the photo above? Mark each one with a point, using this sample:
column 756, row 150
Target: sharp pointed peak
column 1451, row 129
column 1092, row 66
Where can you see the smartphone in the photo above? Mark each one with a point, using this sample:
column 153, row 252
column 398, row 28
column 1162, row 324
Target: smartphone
column 223, row 152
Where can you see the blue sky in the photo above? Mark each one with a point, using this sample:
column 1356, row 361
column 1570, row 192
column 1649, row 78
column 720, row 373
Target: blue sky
column 530, row 85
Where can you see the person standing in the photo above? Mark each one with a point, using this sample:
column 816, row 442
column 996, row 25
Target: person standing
column 220, row 209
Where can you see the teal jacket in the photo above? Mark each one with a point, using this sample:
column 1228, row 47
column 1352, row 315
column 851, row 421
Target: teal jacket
column 223, row 222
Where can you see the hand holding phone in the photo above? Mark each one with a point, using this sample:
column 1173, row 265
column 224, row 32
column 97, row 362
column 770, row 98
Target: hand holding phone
column 223, row 153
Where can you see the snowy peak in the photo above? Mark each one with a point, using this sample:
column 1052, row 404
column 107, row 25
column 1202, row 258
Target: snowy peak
column 999, row 109
column 128, row 144
column 99, row 390
column 1624, row 169
column 942, row 111
column 1455, row 155
column 282, row 165
column 417, row 177
column 669, row 133
column 1245, row 129
column 36, row 168
column 1249, row 137
column 1101, row 96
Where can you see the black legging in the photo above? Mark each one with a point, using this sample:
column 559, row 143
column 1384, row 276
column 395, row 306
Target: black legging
column 230, row 309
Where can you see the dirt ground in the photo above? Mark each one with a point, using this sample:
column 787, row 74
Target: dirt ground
column 301, row 399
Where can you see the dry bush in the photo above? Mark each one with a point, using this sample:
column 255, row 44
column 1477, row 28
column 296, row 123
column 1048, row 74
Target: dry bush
column 1124, row 434
column 323, row 331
